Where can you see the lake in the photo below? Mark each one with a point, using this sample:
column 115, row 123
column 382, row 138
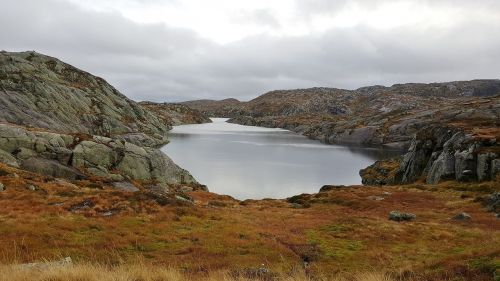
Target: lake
column 254, row 162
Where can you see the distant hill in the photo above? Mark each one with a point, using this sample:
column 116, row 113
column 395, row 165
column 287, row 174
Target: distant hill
column 213, row 108
column 176, row 114
column 385, row 115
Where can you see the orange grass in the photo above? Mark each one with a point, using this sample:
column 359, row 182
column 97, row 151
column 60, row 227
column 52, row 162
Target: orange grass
column 344, row 231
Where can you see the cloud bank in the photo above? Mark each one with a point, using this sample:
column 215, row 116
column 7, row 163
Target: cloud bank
column 344, row 44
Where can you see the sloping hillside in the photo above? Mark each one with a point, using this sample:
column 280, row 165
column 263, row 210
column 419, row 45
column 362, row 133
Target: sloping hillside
column 59, row 121
column 43, row 92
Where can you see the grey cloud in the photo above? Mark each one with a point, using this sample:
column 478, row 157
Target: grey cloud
column 161, row 63
column 263, row 17
column 309, row 8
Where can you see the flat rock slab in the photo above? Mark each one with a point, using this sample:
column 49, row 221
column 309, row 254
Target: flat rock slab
column 125, row 186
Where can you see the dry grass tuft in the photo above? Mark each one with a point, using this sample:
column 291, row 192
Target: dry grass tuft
column 142, row 272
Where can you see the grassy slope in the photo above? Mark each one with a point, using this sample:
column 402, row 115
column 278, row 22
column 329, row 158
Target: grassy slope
column 343, row 231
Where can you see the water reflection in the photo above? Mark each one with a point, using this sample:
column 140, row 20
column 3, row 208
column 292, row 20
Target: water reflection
column 253, row 162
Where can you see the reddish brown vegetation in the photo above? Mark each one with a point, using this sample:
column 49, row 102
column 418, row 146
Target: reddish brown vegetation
column 343, row 230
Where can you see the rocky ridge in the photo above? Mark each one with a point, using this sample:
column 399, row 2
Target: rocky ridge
column 59, row 121
column 441, row 153
column 213, row 108
column 442, row 124
column 175, row 114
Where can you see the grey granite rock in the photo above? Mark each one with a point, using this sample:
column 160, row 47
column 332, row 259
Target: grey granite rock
column 43, row 92
column 52, row 168
column 8, row 159
column 125, row 186
column 400, row 216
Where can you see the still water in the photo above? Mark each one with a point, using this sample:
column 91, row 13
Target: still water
column 253, row 162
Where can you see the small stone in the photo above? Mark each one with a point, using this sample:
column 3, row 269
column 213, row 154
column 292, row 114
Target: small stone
column 185, row 189
column 2, row 187
column 297, row 206
column 467, row 172
column 399, row 216
column 180, row 198
column 31, row 187
column 57, row 204
column 84, row 205
column 462, row 217
column 65, row 183
column 107, row 214
column 376, row 198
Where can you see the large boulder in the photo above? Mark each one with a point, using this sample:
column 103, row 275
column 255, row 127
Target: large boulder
column 89, row 154
column 8, row 159
column 51, row 168
column 164, row 170
column 495, row 168
column 12, row 138
column 401, row 216
column 487, row 165
column 135, row 162
column 442, row 168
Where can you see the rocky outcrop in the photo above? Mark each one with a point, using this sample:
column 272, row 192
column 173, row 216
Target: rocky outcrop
column 81, row 156
column 440, row 153
column 42, row 92
column 381, row 172
column 447, row 153
column 176, row 114
column 60, row 121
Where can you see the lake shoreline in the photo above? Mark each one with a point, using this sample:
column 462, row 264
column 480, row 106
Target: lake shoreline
column 308, row 164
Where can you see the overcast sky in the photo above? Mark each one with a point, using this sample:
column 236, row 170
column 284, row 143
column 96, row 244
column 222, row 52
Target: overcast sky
column 174, row 50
